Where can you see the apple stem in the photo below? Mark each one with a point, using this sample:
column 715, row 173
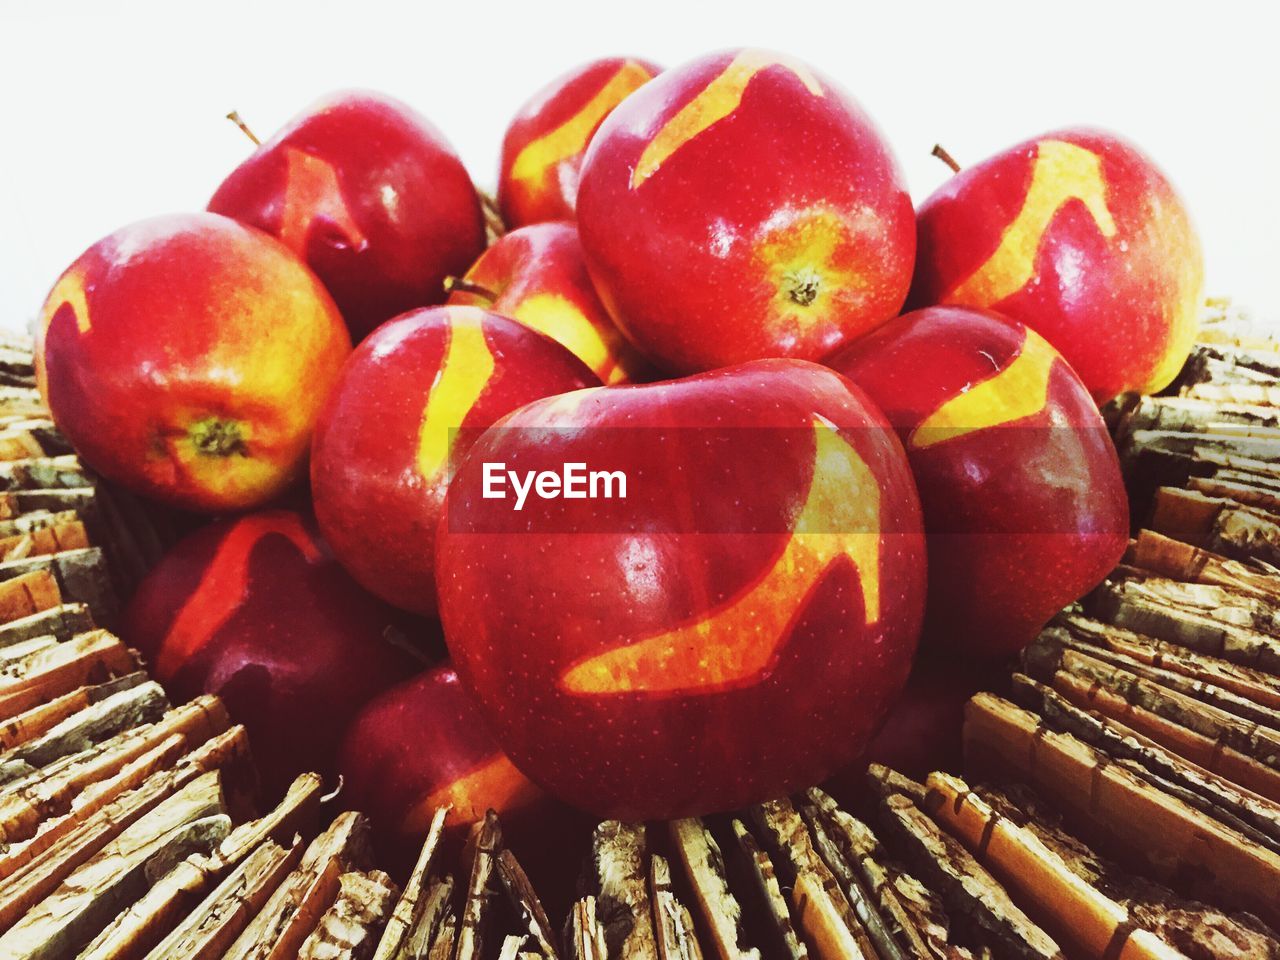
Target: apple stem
column 466, row 286
column 941, row 153
column 234, row 117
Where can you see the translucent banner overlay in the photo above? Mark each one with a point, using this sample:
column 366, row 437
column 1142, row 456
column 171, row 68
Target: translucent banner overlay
column 781, row 480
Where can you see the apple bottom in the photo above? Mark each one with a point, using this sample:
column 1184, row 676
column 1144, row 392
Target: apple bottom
column 991, row 593
column 636, row 756
column 922, row 732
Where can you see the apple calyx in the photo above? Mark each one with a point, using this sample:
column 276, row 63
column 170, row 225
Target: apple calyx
column 802, row 286
column 466, row 286
column 215, row 437
column 941, row 153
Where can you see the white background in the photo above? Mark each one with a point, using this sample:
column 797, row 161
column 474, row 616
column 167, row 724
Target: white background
column 114, row 111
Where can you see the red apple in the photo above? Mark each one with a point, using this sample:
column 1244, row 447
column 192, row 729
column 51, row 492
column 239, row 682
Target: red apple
column 187, row 357
column 1079, row 235
column 412, row 397
column 727, row 621
column 1023, row 500
column 424, row 744
column 741, row 206
column 923, row 730
column 371, row 195
column 258, row 612
column 543, row 147
column 537, row 275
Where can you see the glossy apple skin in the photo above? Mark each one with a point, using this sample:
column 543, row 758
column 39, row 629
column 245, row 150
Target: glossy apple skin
column 186, row 357
column 1024, row 504
column 412, row 397
column 543, row 147
column 257, row 611
column 782, row 229
column 537, row 275
column 666, row 654
column 424, row 744
column 1081, row 237
column 371, row 195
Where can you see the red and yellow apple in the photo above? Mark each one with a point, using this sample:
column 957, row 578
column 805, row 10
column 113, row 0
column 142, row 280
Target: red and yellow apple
column 187, row 357
column 537, row 275
column 1081, row 237
column 257, row 611
column 1024, row 505
column 424, row 744
column 659, row 643
column 544, row 145
column 371, row 195
column 412, row 397
column 742, row 206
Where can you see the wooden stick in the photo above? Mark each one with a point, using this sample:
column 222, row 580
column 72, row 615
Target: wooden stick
column 209, row 930
column 618, row 852
column 157, row 912
column 1091, row 921
column 584, row 936
column 714, row 902
column 672, row 922
column 834, row 855
column 770, row 890
column 42, row 718
column 916, row 914
column 526, row 903
column 100, row 809
column 350, row 928
column 1256, row 685
column 295, row 908
column 28, row 594
column 192, row 819
column 62, row 622
column 1168, row 834
column 970, row 893
column 84, row 660
column 486, row 841
column 1116, row 740
column 1043, row 659
column 822, row 912
column 407, row 915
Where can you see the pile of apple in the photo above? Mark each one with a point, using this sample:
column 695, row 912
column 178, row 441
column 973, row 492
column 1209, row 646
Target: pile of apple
column 744, row 620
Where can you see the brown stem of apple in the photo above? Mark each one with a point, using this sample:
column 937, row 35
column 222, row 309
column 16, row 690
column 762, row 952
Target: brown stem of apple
column 234, row 117
column 466, row 286
column 941, row 153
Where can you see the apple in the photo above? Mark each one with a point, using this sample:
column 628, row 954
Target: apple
column 424, row 744
column 536, row 275
column 1024, row 504
column 412, row 397
column 709, row 595
column 257, row 611
column 543, row 147
column 741, row 206
column 371, row 195
column 923, row 730
column 1081, row 237
column 186, row 357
